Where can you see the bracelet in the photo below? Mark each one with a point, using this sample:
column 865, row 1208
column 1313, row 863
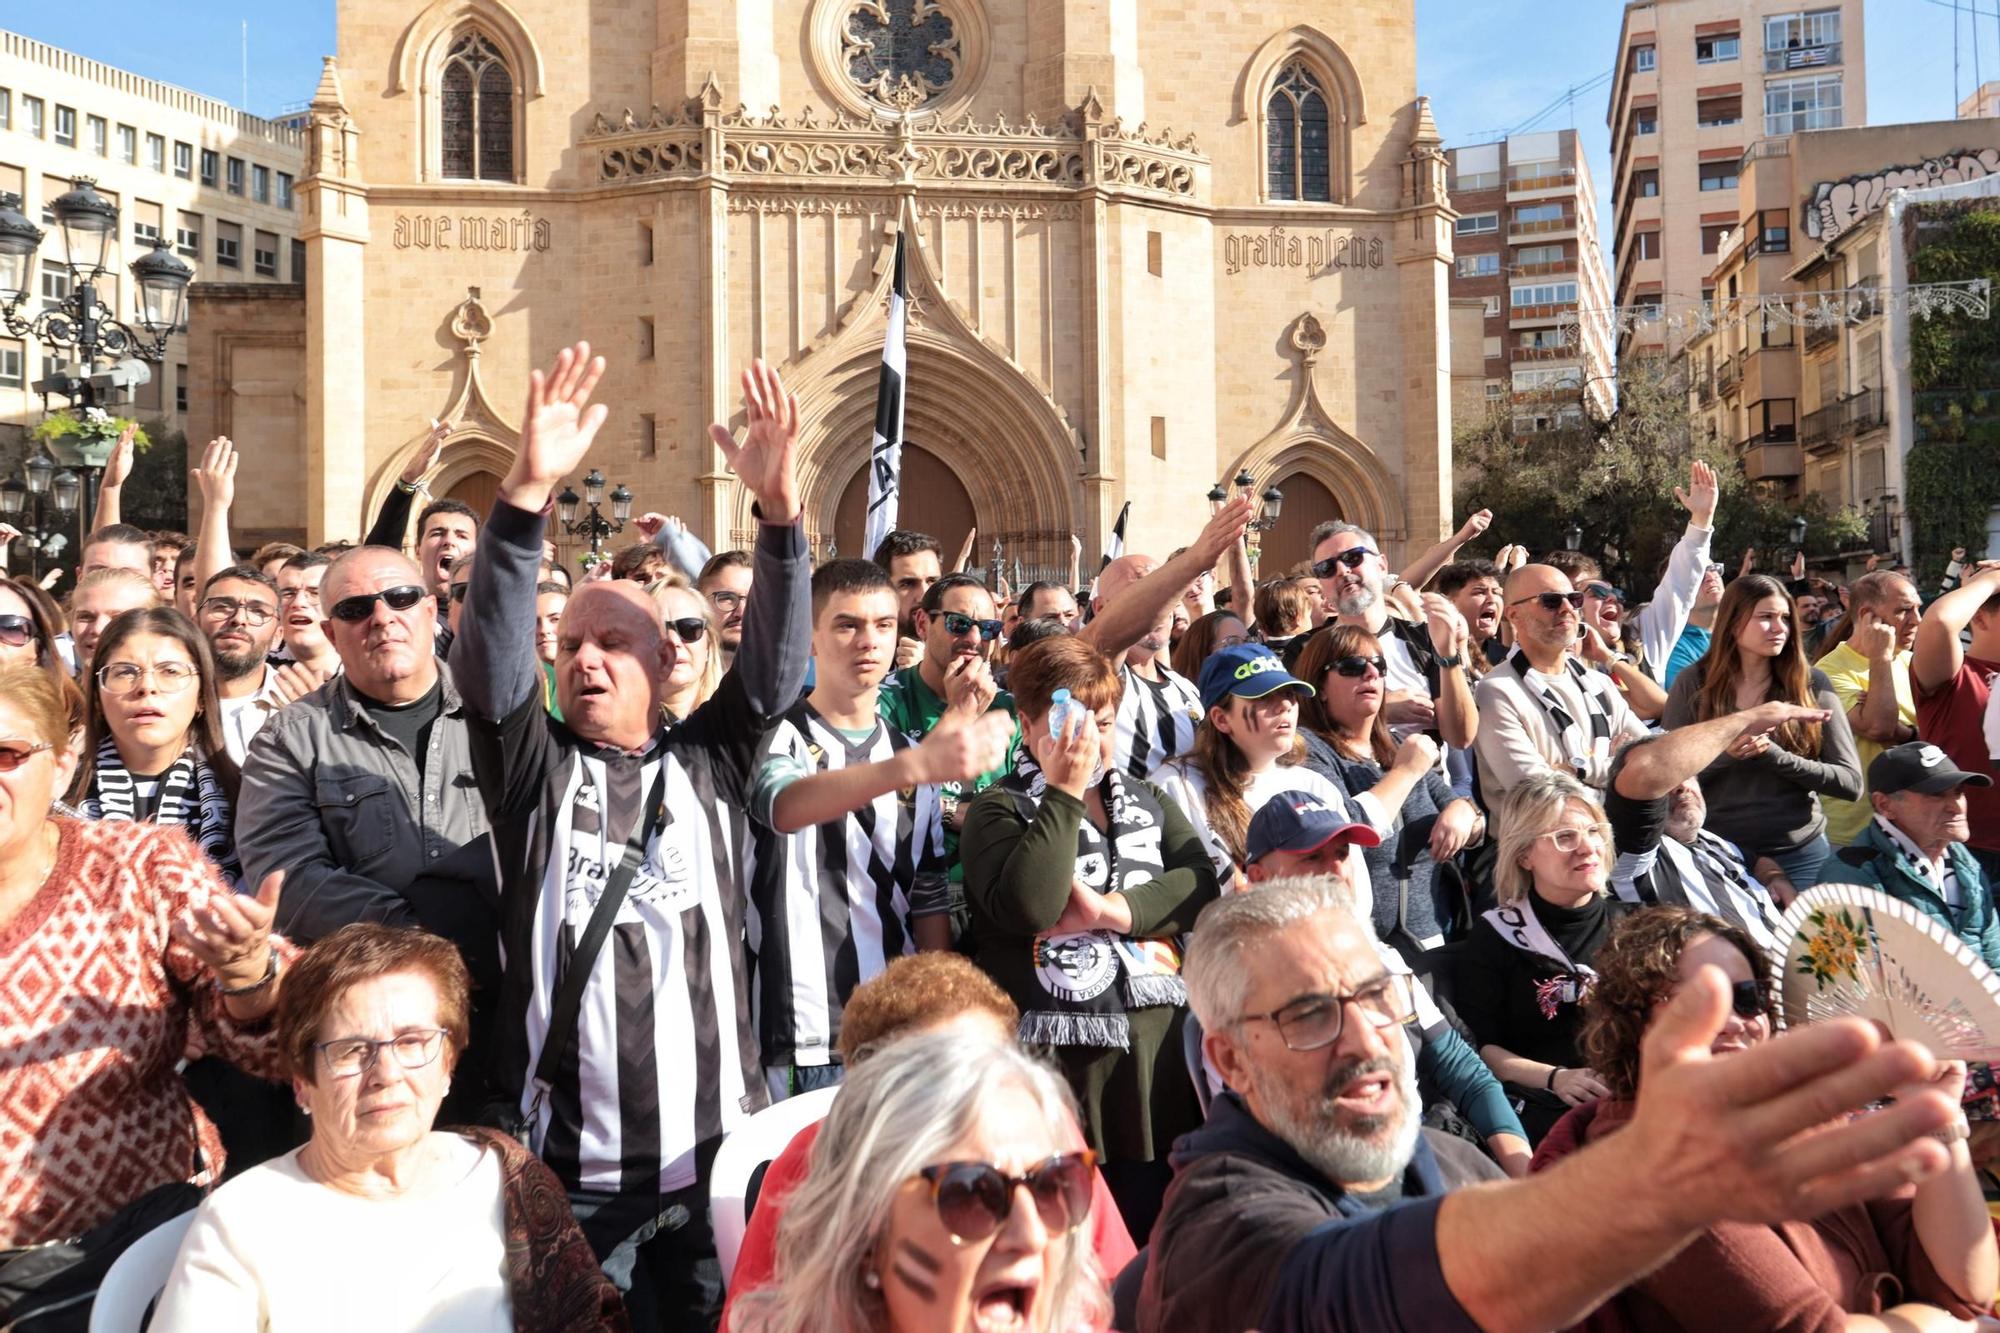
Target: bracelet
column 1550, row 1086
column 406, row 487
column 1447, row 663
column 270, row 975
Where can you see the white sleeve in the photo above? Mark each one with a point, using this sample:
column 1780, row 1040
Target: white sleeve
column 210, row 1287
column 1661, row 623
column 1627, row 870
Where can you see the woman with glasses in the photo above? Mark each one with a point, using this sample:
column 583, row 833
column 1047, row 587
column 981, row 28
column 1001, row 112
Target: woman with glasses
column 1928, row 1255
column 1348, row 743
column 153, row 750
column 1526, row 970
column 122, row 946
column 691, row 628
column 1764, row 793
column 381, row 1222
column 26, row 637
column 1208, row 635
column 947, row 1191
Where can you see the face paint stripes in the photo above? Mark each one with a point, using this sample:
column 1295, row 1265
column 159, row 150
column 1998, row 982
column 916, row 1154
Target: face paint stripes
column 926, row 1265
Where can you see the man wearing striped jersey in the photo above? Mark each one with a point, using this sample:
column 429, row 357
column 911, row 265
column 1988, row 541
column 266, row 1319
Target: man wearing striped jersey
column 1133, row 614
column 661, row 1060
column 847, row 832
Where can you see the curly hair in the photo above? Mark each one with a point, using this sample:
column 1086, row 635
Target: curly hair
column 1637, row 968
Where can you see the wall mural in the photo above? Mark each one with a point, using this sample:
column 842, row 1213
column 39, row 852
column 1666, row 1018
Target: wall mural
column 1836, row 206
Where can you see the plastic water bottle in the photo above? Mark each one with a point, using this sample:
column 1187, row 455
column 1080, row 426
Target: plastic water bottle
column 1059, row 707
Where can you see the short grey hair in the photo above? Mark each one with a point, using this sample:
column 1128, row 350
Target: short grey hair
column 1334, row 527
column 1221, row 953
column 899, row 1111
column 1533, row 807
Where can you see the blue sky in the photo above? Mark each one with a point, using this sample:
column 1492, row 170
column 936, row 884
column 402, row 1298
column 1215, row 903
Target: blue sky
column 1488, row 65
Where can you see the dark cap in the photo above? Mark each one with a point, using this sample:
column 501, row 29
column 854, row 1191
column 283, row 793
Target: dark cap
column 1919, row 766
column 1250, row 670
column 1299, row 821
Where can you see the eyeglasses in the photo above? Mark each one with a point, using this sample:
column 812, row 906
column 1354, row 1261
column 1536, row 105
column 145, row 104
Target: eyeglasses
column 13, row 754
column 1746, row 998
column 1315, row 1021
column 227, row 609
column 362, row 605
column 689, row 629
column 726, row 601
column 959, row 625
column 122, row 678
column 1353, row 667
column 1552, row 602
column 1568, row 840
column 347, row 1056
column 298, row 594
column 1351, row 557
column 457, row 591
column 16, row 631
column 1229, row 641
column 975, row 1199
column 1605, row 592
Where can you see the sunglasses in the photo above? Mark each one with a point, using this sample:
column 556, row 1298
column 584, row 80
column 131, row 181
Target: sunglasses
column 1553, row 602
column 974, row 1199
column 1354, row 667
column 688, row 629
column 1746, row 999
column 362, row 605
column 958, row 625
column 1605, row 592
column 13, row 754
column 457, row 591
column 1351, row 557
column 16, row 630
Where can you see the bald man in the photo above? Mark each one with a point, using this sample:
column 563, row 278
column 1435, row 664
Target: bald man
column 362, row 791
column 1543, row 708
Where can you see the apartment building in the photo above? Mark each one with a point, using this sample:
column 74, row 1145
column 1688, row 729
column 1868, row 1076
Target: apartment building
column 1696, row 83
column 1792, row 372
column 1527, row 247
column 220, row 182
column 1983, row 101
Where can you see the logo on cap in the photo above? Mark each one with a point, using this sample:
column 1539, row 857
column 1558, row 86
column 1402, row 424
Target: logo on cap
column 1930, row 756
column 1257, row 666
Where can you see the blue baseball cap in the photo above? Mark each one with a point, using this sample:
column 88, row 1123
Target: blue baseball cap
column 1298, row 821
column 1249, row 670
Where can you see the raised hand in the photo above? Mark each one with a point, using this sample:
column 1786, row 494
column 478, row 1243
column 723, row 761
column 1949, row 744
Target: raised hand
column 1068, row 760
column 969, row 688
column 909, row 652
column 8, row 532
column 557, row 426
column 766, row 461
column 232, row 934
column 1749, row 565
column 1798, row 565
column 1475, row 527
column 1768, row 717
column 427, row 453
column 650, row 524
column 1873, row 638
column 118, row 468
column 216, row 477
column 1449, row 632
column 1224, row 527
column 1874, row 562
column 1701, row 494
column 961, row 753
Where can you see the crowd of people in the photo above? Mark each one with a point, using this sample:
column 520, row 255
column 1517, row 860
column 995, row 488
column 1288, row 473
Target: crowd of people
column 1356, row 949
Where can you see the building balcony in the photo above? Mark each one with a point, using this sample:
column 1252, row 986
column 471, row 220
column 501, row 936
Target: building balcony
column 1543, row 227
column 1526, row 184
column 1564, row 266
column 1867, row 411
column 1824, row 56
column 1704, row 390
column 1772, row 457
column 1822, row 430
column 1729, row 373
column 1557, row 351
column 1522, row 315
column 1821, row 335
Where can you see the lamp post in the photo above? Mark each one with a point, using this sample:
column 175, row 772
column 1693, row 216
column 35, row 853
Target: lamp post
column 40, row 503
column 1573, row 539
column 593, row 526
column 79, row 323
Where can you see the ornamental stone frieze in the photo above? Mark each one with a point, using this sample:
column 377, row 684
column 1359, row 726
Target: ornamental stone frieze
column 1080, row 152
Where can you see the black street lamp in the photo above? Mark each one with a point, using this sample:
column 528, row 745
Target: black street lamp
column 40, row 504
column 1272, row 500
column 1799, row 531
column 594, row 526
column 1573, row 539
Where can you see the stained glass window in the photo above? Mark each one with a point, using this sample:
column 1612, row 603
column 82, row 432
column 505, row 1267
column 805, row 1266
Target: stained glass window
column 477, row 113
column 901, row 53
column 1298, row 138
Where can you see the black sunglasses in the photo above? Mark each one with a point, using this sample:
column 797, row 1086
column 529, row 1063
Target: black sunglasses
column 1353, row 667
column 457, row 591
column 362, row 605
column 1351, row 557
column 975, row 1199
column 1605, row 592
column 1746, row 998
column 958, row 625
column 1553, row 601
column 16, row 630
column 688, row 629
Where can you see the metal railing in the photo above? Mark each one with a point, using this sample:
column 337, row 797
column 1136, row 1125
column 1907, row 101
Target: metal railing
column 1567, row 222
column 1821, row 335
column 1822, row 55
column 1545, row 268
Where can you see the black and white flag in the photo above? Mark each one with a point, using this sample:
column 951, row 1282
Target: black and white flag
column 1115, row 548
column 885, row 456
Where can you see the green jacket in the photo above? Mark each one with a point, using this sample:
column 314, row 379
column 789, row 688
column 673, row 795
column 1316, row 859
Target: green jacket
column 1874, row 860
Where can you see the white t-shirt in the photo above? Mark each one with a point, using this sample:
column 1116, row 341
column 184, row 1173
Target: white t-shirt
column 1183, row 782
column 275, row 1250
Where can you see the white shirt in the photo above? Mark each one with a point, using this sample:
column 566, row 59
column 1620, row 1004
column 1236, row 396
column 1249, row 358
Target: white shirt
column 1938, row 874
column 243, row 718
column 275, row 1250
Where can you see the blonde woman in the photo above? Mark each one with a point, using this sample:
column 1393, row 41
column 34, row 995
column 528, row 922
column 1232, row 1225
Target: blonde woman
column 1527, row 967
column 948, row 1190
column 691, row 627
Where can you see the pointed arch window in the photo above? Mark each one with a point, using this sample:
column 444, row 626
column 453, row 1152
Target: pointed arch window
column 1298, row 137
column 477, row 112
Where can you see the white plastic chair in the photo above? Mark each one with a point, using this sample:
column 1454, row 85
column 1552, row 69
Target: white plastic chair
column 137, row 1277
column 756, row 1141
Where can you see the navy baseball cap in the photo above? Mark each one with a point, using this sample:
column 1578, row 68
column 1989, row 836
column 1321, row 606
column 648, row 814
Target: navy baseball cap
column 1247, row 669
column 1298, row 821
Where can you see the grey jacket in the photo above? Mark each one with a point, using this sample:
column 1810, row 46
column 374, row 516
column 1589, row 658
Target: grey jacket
column 343, row 810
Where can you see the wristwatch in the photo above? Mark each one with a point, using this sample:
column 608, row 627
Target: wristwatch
column 1447, row 663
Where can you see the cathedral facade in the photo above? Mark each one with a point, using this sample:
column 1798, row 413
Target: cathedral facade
column 1150, row 247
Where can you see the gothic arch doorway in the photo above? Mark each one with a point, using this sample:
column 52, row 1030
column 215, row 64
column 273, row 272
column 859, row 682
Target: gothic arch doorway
column 1308, row 503
column 933, row 500
column 476, row 490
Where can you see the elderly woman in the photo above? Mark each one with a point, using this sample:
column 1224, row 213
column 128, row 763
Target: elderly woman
column 1929, row 1254
column 946, row 1191
column 381, row 1222
column 1080, row 878
column 1527, row 966
column 122, row 947
column 692, row 629
column 153, row 750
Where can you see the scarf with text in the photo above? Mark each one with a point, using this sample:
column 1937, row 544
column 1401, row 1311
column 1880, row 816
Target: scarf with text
column 1519, row 926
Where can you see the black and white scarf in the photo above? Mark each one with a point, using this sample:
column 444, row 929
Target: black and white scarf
column 190, row 798
column 1075, row 1003
column 1517, row 924
column 1578, row 747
